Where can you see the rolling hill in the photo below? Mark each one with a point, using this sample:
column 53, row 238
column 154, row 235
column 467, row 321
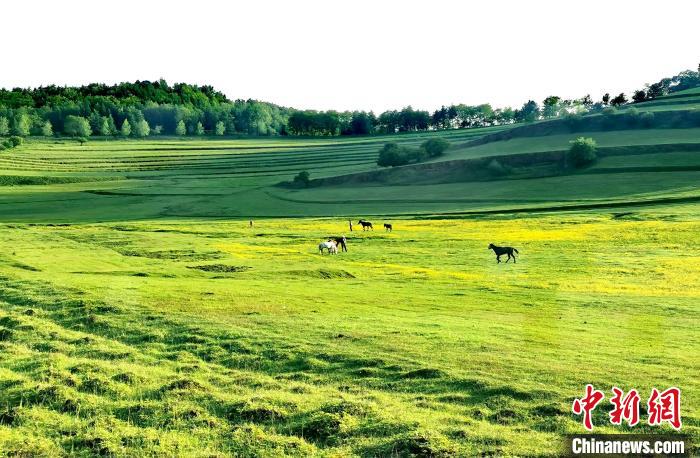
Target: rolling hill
column 141, row 314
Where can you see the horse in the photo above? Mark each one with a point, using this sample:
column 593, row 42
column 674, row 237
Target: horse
column 501, row 250
column 341, row 241
column 365, row 224
column 329, row 245
column 388, row 227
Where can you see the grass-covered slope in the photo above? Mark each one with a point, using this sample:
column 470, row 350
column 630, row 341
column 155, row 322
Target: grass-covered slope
column 200, row 338
column 124, row 180
column 140, row 315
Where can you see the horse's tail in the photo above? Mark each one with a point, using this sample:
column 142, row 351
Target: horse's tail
column 516, row 250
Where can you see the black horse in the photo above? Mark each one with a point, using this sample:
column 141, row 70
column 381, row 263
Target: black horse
column 388, row 227
column 501, row 250
column 365, row 224
column 341, row 241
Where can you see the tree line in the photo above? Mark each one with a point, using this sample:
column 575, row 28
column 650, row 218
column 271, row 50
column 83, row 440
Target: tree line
column 145, row 108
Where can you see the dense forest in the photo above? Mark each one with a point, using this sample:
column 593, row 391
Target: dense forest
column 147, row 108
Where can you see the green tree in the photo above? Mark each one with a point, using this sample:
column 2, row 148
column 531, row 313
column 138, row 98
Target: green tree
column 639, row 96
column 529, row 112
column 619, row 99
column 220, row 128
column 21, row 125
column 302, row 179
column 141, row 129
column 199, row 130
column 4, row 127
column 112, row 125
column 551, row 106
column 105, row 128
column 582, row 152
column 76, row 126
column 435, row 146
column 126, row 128
column 95, row 123
column 47, row 129
column 180, row 129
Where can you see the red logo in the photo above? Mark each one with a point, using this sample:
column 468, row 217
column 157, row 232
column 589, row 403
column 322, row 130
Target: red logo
column 626, row 408
column 665, row 407
column 586, row 405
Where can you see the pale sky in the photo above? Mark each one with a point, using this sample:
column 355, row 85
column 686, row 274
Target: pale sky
column 358, row 54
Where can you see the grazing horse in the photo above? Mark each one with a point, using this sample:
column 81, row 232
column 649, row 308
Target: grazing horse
column 365, row 224
column 501, row 250
column 329, row 245
column 388, row 227
column 342, row 242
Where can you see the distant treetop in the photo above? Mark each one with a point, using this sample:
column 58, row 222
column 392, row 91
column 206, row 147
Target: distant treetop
column 125, row 93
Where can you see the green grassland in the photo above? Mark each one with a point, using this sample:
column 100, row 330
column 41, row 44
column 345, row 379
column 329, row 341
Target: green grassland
column 182, row 338
column 140, row 315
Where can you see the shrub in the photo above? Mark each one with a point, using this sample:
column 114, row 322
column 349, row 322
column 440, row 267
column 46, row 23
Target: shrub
column 582, row 152
column 647, row 119
column 496, row 168
column 15, row 141
column 82, row 140
column 573, row 121
column 302, row 179
column 392, row 155
column 2, row 146
column 632, row 116
column 610, row 117
column 435, row 146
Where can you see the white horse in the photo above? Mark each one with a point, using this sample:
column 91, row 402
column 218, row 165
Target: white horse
column 330, row 245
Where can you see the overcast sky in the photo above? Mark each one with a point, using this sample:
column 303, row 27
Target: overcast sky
column 355, row 54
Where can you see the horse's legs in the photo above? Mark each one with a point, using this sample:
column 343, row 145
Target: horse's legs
column 508, row 259
column 498, row 259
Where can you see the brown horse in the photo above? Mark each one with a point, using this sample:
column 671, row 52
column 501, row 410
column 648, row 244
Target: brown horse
column 365, row 224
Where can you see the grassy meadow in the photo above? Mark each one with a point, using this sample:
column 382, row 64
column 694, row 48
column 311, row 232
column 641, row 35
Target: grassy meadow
column 140, row 315
column 212, row 338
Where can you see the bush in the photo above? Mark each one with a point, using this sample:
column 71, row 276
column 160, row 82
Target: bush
column 15, row 141
column 302, row 179
column 582, row 152
column 647, row 119
column 392, row 155
column 573, row 121
column 633, row 117
column 610, row 117
column 496, row 168
column 82, row 140
column 435, row 146
column 696, row 117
